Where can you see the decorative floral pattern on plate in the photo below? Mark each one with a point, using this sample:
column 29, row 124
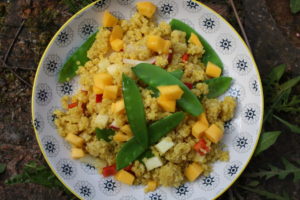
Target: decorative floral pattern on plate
column 226, row 44
column 43, row 94
column 209, row 23
column 85, row 189
column 65, row 37
column 66, row 168
column 109, row 186
column 242, row 64
column 191, row 6
column 52, row 65
column 167, row 8
column 50, row 145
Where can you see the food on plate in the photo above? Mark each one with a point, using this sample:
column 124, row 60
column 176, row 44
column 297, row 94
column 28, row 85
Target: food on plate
column 147, row 110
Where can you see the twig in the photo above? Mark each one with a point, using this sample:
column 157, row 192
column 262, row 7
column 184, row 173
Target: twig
column 13, row 42
column 4, row 65
column 20, row 78
column 240, row 23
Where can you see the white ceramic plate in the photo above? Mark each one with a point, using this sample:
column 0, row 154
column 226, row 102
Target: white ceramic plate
column 241, row 133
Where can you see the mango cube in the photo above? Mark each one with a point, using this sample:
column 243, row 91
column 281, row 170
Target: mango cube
column 198, row 129
column 202, row 118
column 110, row 92
column 102, row 79
column 146, row 8
column 214, row 133
column 125, row 177
column 97, row 90
column 118, row 107
column 213, row 70
column 75, row 140
column 151, row 186
column 171, row 92
column 116, row 33
column 195, row 40
column 77, row 153
column 120, row 137
column 166, row 104
column 157, row 44
column 117, row 44
column 108, row 19
column 193, row 171
column 127, row 130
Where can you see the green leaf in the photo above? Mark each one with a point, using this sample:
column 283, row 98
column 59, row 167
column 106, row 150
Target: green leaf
column 266, row 140
column 290, row 83
column 276, row 74
column 293, row 128
column 253, row 183
column 104, row 134
column 2, row 168
column 265, row 193
column 218, row 86
column 295, row 6
column 272, row 171
column 77, row 59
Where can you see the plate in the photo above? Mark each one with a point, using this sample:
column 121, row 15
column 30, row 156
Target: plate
column 241, row 133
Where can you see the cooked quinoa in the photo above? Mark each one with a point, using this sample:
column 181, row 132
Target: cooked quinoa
column 88, row 115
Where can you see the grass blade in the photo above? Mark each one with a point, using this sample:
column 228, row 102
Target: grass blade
column 266, row 140
column 292, row 127
column 266, row 194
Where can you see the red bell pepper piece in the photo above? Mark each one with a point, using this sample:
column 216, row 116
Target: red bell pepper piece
column 170, row 56
column 99, row 98
column 128, row 168
column 109, row 170
column 201, row 147
column 185, row 57
column 189, row 85
column 72, row 105
column 114, row 127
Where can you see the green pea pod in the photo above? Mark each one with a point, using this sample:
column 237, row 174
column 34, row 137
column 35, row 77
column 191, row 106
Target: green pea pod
column 135, row 110
column 155, row 76
column 129, row 152
column 161, row 127
column 69, row 69
column 104, row 134
column 218, row 86
column 177, row 73
column 210, row 54
column 133, row 150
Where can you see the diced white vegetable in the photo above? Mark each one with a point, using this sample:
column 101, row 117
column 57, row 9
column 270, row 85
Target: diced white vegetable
column 164, row 145
column 96, row 162
column 135, row 62
column 152, row 163
column 101, row 121
column 114, row 124
column 198, row 158
column 112, row 69
column 103, row 64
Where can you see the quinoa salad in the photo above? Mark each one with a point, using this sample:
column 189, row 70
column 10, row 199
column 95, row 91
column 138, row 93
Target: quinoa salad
column 147, row 111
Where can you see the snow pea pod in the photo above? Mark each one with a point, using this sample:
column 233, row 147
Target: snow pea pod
column 104, row 134
column 135, row 110
column 177, row 73
column 161, row 127
column 133, row 150
column 155, row 76
column 218, row 86
column 210, row 54
column 69, row 69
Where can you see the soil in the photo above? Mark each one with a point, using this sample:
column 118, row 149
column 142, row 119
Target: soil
column 272, row 30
